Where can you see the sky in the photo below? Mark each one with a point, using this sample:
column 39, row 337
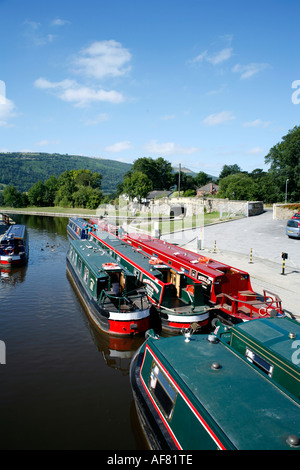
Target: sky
column 200, row 83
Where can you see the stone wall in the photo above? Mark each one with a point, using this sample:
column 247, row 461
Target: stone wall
column 284, row 211
column 187, row 206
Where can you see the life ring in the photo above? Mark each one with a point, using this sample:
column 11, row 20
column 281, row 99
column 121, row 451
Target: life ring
column 9, row 251
column 110, row 265
column 154, row 260
column 190, row 289
column 203, row 259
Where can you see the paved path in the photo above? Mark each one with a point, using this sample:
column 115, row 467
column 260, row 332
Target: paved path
column 231, row 243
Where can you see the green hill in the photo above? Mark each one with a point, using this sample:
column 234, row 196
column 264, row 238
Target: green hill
column 24, row 169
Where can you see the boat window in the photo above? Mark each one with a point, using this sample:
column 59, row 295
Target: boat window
column 79, row 264
column 92, row 284
column 86, row 274
column 162, row 389
column 261, row 363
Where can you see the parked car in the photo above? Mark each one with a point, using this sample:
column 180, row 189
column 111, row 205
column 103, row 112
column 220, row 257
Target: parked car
column 293, row 228
column 296, row 216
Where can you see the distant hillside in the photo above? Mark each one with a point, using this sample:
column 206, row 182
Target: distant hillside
column 24, row 169
column 189, row 172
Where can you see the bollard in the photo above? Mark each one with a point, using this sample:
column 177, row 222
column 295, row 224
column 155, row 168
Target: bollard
column 251, row 262
column 284, row 256
column 215, row 247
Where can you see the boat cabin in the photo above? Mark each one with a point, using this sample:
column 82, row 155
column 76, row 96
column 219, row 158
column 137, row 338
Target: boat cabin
column 77, row 228
column 170, row 290
column 14, row 241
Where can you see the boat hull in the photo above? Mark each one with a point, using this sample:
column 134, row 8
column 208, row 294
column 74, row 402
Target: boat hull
column 14, row 261
column 155, row 435
column 114, row 323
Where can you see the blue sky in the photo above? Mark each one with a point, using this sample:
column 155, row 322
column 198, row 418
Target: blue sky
column 201, row 83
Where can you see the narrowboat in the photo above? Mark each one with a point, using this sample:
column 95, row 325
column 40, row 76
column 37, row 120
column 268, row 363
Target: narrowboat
column 77, row 228
column 225, row 287
column 176, row 302
column 234, row 389
column 14, row 247
column 108, row 291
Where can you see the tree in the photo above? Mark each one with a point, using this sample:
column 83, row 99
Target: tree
column 36, row 194
column 159, row 171
column 12, row 197
column 137, row 185
column 238, row 186
column 284, row 159
column 201, row 179
column 51, row 186
column 87, row 197
column 229, row 170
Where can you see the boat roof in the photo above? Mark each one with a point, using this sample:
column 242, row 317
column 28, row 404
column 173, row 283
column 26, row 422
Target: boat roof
column 79, row 222
column 131, row 254
column 15, row 231
column 249, row 409
column 95, row 257
column 274, row 334
column 188, row 258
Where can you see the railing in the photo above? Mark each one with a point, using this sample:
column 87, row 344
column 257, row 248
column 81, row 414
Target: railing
column 275, row 300
column 260, row 308
column 121, row 301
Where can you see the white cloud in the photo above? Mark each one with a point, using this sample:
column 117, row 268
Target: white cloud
column 168, row 117
column 218, row 118
column 119, row 146
column 45, row 142
column 7, row 111
column 249, row 70
column 256, row 123
column 59, row 22
column 255, row 150
column 169, row 148
column 35, row 35
column 102, row 117
column 103, row 59
column 221, row 56
column 215, row 59
column 80, row 95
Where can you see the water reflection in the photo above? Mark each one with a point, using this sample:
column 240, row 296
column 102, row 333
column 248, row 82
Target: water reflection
column 117, row 352
column 64, row 386
column 13, row 276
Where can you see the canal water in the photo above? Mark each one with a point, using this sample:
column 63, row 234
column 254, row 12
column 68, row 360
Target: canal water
column 63, row 385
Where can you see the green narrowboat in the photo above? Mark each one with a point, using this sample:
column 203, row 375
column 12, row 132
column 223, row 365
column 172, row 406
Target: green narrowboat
column 114, row 302
column 178, row 302
column 237, row 388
